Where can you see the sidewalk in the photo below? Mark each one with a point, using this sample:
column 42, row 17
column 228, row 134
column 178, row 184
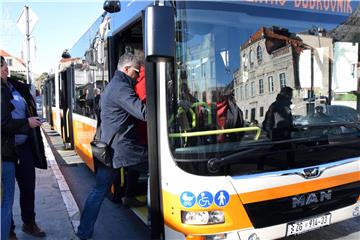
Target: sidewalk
column 56, row 211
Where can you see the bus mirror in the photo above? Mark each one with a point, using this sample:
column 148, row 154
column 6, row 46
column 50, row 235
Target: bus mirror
column 112, row 6
column 159, row 33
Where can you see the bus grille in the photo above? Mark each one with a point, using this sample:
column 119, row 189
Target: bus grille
column 272, row 212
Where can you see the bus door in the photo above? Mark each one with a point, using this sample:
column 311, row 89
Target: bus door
column 128, row 39
column 66, row 96
column 48, row 98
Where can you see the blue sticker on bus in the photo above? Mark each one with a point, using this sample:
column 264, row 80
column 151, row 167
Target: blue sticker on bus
column 204, row 199
column 222, row 198
column 187, row 199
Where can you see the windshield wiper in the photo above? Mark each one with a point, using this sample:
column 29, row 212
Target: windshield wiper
column 214, row 164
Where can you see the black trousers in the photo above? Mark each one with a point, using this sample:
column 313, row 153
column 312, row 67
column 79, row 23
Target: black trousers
column 25, row 177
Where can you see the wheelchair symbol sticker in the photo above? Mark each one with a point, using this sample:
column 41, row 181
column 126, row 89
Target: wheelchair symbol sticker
column 187, row 199
column 222, row 198
column 204, row 199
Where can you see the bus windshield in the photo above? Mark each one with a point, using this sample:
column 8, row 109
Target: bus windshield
column 264, row 87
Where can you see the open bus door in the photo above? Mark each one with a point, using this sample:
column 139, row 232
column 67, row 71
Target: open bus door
column 158, row 49
column 48, row 99
column 66, row 106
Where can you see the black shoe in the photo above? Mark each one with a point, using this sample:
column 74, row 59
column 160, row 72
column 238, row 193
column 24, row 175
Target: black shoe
column 132, row 202
column 33, row 229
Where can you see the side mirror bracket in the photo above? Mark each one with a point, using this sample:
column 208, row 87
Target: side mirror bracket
column 159, row 33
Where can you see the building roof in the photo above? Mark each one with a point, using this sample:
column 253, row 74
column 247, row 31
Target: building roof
column 275, row 33
column 8, row 55
column 4, row 53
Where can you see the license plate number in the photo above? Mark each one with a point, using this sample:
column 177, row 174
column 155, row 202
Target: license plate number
column 308, row 224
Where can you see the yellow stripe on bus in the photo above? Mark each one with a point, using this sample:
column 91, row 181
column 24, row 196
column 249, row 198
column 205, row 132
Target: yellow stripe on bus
column 298, row 188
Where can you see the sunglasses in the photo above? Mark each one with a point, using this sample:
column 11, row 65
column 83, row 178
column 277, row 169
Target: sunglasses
column 135, row 69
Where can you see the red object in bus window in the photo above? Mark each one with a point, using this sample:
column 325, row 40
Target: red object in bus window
column 140, row 90
column 221, row 110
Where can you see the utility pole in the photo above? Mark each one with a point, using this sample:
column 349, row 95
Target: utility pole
column 27, row 35
column 26, row 23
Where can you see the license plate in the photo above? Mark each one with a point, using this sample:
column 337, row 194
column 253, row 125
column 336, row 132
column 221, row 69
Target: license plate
column 308, row 224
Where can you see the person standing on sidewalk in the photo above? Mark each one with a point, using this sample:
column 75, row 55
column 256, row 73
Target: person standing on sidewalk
column 9, row 127
column 30, row 154
column 119, row 106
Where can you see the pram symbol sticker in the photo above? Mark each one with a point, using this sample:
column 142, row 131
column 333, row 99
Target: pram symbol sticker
column 187, row 199
column 204, row 199
column 222, row 198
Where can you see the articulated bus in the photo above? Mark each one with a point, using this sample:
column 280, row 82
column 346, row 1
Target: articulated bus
column 213, row 174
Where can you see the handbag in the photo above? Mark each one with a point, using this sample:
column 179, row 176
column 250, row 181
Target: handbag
column 101, row 151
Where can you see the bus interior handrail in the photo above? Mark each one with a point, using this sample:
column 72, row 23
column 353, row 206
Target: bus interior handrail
column 217, row 132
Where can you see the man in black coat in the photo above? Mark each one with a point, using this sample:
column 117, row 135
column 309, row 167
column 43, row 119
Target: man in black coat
column 120, row 106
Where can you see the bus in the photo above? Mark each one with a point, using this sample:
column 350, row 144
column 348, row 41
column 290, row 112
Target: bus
column 214, row 70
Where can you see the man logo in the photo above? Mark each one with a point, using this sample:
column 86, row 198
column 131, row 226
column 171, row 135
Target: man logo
column 311, row 198
column 311, row 172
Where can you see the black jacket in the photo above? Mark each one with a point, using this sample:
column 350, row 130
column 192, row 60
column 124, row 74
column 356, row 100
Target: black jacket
column 278, row 121
column 10, row 126
column 35, row 137
column 120, row 107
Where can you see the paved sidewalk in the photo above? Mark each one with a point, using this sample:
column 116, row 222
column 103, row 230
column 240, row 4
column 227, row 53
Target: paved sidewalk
column 56, row 211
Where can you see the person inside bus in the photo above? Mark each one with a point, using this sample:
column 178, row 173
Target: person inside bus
column 228, row 115
column 140, row 90
column 120, row 106
column 278, row 122
column 28, row 146
column 185, row 114
column 96, row 101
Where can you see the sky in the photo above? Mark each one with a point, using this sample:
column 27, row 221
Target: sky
column 60, row 25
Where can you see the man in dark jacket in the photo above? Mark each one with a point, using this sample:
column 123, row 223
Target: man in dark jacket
column 9, row 152
column 278, row 121
column 120, row 106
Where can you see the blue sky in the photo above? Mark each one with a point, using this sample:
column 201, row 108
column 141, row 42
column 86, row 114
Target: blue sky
column 60, row 25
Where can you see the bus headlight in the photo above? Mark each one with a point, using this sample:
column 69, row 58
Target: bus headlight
column 203, row 217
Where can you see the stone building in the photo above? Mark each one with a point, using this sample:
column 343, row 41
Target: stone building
column 15, row 65
column 272, row 58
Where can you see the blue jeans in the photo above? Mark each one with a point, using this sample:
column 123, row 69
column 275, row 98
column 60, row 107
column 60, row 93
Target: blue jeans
column 105, row 176
column 8, row 191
